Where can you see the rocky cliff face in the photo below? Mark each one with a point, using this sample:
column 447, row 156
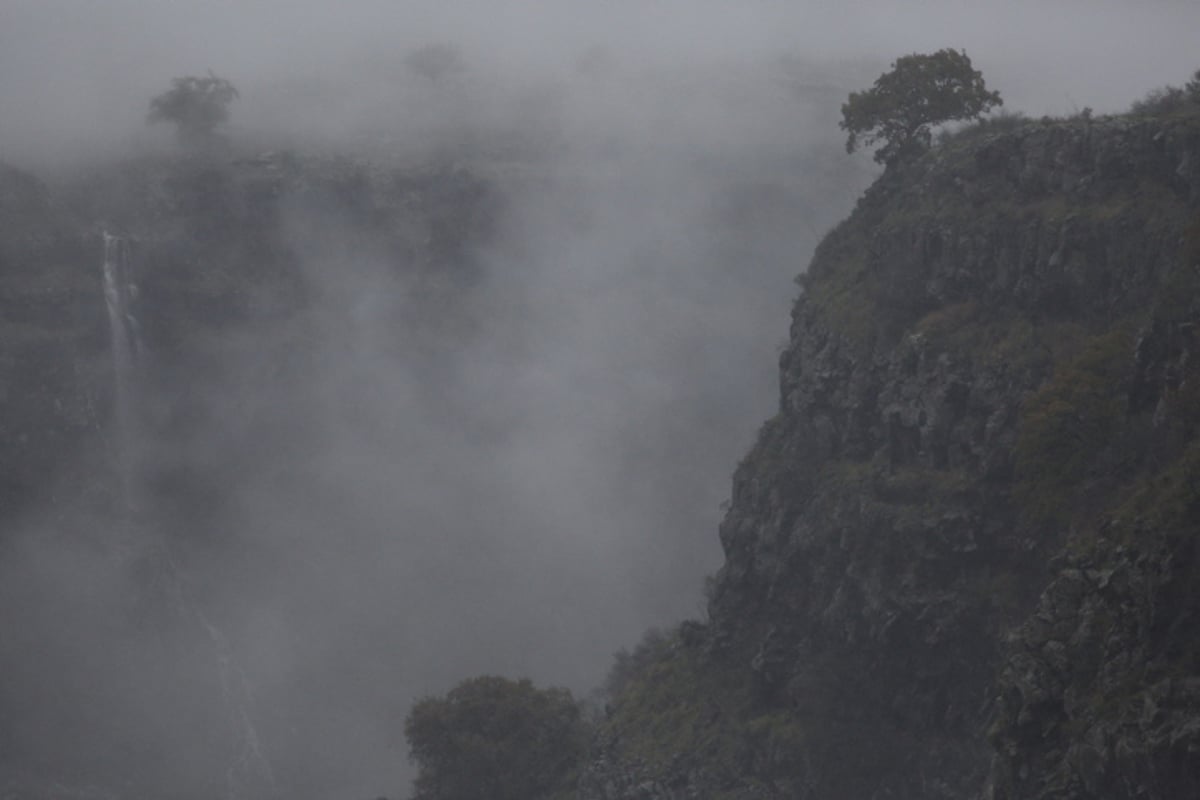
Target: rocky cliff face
column 962, row 558
column 214, row 256
column 49, row 340
column 216, row 269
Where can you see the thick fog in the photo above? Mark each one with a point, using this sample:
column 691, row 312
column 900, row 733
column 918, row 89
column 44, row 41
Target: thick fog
column 75, row 73
column 523, row 487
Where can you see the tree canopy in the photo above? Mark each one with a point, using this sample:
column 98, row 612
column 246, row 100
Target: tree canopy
column 496, row 738
column 919, row 92
column 197, row 106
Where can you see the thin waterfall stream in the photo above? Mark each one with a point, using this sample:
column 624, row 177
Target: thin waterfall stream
column 119, row 293
column 249, row 774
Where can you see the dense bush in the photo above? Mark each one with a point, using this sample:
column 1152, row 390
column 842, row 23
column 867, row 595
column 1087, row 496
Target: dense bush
column 629, row 665
column 498, row 739
column 1170, row 99
column 1067, row 424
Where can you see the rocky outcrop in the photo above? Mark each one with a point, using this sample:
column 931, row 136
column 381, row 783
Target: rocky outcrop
column 1099, row 693
column 986, row 370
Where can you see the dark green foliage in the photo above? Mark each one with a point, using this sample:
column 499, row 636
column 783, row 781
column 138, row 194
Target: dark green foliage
column 1169, row 100
column 672, row 702
column 686, row 715
column 496, row 739
column 197, row 106
column 1068, row 422
column 1192, row 87
column 1166, row 501
column 921, row 91
column 1002, row 121
column 628, row 665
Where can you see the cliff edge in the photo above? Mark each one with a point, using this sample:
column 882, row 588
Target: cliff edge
column 962, row 558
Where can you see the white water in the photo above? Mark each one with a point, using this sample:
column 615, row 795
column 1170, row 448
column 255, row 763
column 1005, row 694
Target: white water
column 249, row 774
column 119, row 292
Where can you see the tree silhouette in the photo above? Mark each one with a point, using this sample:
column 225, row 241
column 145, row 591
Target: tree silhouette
column 496, row 738
column 197, row 106
column 919, row 92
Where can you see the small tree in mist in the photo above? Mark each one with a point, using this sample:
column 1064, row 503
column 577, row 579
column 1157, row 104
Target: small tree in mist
column 919, row 92
column 496, row 738
column 197, row 106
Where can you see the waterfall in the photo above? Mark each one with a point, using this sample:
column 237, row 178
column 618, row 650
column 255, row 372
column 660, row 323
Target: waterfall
column 250, row 766
column 249, row 773
column 119, row 293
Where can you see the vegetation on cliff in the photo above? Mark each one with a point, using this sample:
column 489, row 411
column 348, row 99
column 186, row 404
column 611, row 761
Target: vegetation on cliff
column 918, row 93
column 992, row 367
column 496, row 738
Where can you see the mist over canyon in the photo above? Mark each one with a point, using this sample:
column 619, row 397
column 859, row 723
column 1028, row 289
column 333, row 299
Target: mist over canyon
column 422, row 370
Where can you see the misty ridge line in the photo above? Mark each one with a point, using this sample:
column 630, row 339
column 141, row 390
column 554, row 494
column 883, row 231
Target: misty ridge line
column 356, row 55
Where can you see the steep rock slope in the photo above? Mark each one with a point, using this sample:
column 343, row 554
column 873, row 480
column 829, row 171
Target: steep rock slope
column 990, row 371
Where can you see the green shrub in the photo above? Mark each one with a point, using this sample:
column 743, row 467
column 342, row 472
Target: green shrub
column 1167, row 100
column 627, row 665
column 1066, row 424
column 1170, row 99
column 1192, row 87
column 495, row 738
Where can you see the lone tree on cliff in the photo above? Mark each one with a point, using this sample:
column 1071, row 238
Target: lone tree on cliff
column 921, row 91
column 196, row 105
